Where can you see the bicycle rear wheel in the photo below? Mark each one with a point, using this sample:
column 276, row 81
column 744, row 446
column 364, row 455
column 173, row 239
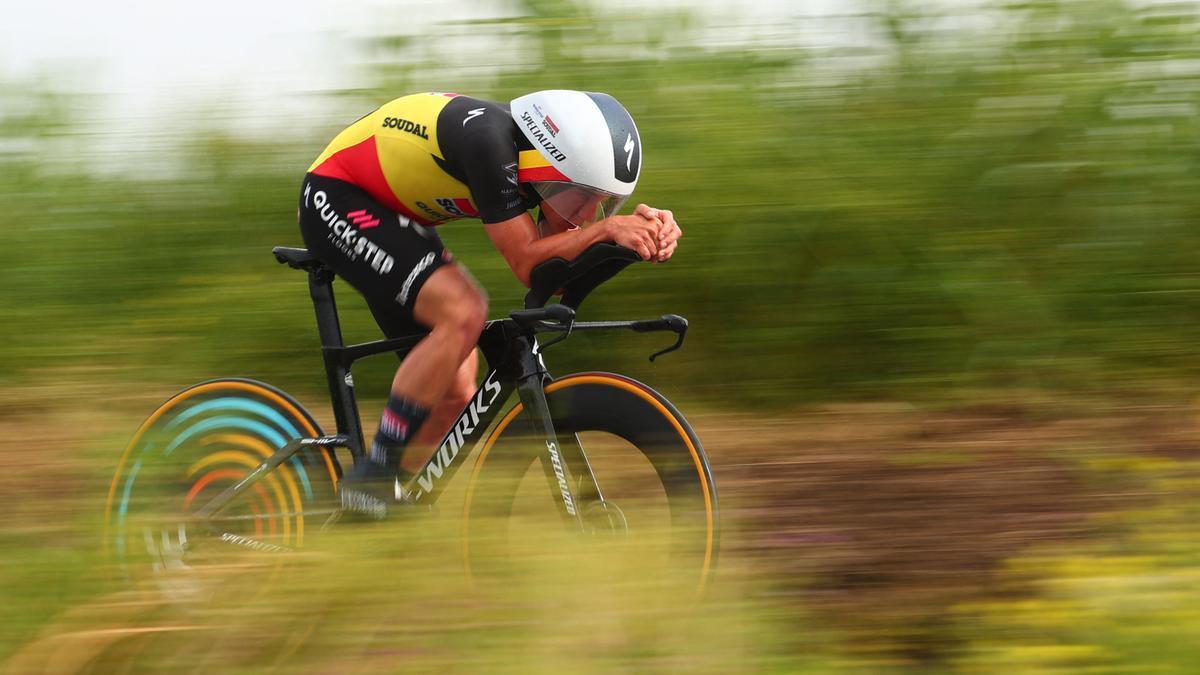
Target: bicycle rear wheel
column 201, row 441
column 649, row 465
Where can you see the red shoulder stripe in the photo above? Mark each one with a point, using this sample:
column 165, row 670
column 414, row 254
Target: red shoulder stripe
column 359, row 164
column 464, row 205
column 541, row 173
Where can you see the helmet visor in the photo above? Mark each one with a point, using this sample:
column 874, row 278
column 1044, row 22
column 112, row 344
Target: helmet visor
column 578, row 205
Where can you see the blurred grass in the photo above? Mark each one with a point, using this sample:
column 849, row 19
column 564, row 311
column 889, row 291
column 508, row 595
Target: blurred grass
column 1119, row 605
column 393, row 597
column 855, row 539
column 938, row 212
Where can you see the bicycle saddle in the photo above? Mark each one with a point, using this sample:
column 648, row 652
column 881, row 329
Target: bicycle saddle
column 296, row 258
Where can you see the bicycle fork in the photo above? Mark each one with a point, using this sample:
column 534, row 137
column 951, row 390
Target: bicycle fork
column 568, row 473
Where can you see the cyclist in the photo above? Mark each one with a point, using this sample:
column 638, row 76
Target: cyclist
column 369, row 204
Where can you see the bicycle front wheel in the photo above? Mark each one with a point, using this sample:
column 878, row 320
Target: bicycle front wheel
column 651, row 469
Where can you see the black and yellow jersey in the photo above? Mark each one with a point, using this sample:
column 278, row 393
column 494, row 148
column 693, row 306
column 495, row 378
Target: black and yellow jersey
column 434, row 157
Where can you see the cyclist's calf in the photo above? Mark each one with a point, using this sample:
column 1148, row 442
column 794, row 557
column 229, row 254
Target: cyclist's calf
column 443, row 414
column 454, row 308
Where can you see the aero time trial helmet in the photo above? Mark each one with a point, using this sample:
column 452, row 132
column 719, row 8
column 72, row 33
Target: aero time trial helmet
column 587, row 153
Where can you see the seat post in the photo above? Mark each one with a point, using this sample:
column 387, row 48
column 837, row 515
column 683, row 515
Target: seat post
column 341, row 383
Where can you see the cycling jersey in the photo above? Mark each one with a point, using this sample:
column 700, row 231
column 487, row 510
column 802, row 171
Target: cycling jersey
column 417, row 161
column 432, row 158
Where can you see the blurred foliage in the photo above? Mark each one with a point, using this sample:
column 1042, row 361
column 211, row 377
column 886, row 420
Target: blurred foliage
column 325, row 610
column 937, row 202
column 992, row 195
column 1123, row 605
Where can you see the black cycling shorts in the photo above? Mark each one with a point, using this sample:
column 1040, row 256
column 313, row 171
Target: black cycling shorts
column 381, row 253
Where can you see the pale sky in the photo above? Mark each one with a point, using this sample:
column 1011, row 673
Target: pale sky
column 162, row 48
column 142, row 56
column 252, row 63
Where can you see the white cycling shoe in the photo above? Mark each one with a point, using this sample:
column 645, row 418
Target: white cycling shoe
column 371, row 489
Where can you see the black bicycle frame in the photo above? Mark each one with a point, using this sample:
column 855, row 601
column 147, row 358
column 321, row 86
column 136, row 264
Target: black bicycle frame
column 513, row 365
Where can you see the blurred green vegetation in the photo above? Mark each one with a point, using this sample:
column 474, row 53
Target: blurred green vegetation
column 951, row 202
column 325, row 610
column 934, row 209
column 1122, row 605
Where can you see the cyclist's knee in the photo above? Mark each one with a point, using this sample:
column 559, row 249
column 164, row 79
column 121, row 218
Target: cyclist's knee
column 454, row 306
column 464, row 320
column 472, row 313
column 478, row 310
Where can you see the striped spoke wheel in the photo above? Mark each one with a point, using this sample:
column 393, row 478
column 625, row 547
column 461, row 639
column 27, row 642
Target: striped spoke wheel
column 195, row 446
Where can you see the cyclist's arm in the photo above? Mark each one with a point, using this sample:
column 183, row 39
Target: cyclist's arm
column 490, row 165
column 517, row 240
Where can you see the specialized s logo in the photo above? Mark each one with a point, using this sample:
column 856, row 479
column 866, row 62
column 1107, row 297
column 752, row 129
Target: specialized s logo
column 626, row 146
column 472, row 114
column 346, row 237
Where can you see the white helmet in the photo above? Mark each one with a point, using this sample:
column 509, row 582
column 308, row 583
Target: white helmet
column 587, row 154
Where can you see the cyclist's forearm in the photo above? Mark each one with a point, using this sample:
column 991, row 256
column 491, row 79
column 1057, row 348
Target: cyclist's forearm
column 565, row 245
column 568, row 244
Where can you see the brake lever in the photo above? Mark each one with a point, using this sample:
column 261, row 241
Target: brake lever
column 672, row 322
column 552, row 317
column 565, row 334
column 677, row 345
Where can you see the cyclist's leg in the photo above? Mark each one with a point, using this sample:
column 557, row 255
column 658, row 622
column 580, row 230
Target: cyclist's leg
column 435, row 375
column 443, row 414
column 453, row 307
column 436, row 378
column 389, row 260
column 393, row 263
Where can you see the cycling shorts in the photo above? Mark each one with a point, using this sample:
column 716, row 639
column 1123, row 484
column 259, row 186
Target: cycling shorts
column 381, row 253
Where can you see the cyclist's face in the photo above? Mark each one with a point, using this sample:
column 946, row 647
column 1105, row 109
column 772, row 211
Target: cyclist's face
column 564, row 211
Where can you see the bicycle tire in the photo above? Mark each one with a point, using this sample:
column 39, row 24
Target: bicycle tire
column 196, row 444
column 631, row 411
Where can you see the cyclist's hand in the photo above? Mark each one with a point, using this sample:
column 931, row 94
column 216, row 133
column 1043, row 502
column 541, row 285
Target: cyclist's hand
column 668, row 233
column 636, row 232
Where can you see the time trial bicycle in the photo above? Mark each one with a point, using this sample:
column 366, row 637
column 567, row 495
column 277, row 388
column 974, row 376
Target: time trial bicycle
column 236, row 463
